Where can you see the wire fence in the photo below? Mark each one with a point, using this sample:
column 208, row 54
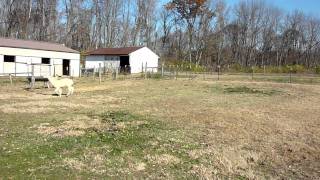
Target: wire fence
column 171, row 72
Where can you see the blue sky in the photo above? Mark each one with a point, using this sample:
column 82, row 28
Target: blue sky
column 309, row 7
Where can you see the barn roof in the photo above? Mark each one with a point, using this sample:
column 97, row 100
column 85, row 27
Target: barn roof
column 37, row 45
column 114, row 51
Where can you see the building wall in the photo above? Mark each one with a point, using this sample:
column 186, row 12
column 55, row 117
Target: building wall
column 1, row 64
column 141, row 57
column 105, row 61
column 74, row 68
column 57, row 67
column 30, row 56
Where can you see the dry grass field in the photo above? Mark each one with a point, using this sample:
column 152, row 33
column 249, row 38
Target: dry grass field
column 161, row 129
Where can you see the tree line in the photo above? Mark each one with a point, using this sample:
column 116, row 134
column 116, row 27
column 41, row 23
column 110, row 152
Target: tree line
column 203, row 32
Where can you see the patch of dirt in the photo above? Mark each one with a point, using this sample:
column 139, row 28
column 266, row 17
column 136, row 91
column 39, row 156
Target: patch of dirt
column 95, row 162
column 46, row 129
column 92, row 161
column 106, row 100
column 164, row 159
column 79, row 125
column 34, row 107
column 140, row 166
column 75, row 127
column 74, row 164
column 203, row 172
column 198, row 153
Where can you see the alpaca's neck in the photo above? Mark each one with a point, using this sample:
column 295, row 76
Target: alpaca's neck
column 53, row 81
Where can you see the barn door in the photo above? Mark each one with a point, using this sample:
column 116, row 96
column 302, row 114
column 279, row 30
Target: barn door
column 66, row 67
column 125, row 64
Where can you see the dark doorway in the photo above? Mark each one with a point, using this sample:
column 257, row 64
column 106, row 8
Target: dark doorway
column 125, row 64
column 66, row 67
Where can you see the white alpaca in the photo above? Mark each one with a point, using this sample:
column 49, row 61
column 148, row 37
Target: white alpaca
column 61, row 83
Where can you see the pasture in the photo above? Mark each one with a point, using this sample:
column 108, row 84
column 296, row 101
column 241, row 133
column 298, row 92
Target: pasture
column 162, row 129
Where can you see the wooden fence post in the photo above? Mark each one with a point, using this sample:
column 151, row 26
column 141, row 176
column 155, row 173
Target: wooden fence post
column 99, row 73
column 290, row 79
column 252, row 72
column 204, row 73
column 114, row 73
column 142, row 68
column 33, row 79
column 93, row 73
column 54, row 71
column 176, row 73
column 162, row 70
column 10, row 76
column 146, row 69
column 117, row 73
column 219, row 72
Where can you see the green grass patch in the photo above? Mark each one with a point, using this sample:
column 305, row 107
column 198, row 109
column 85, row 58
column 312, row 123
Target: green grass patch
column 243, row 90
column 128, row 140
column 247, row 90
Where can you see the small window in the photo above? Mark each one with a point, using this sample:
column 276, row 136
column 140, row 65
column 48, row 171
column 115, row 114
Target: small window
column 45, row 60
column 9, row 58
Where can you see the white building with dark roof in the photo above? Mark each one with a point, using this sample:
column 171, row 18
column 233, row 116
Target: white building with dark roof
column 129, row 59
column 22, row 58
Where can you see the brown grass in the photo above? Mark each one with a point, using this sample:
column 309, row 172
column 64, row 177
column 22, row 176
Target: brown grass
column 249, row 135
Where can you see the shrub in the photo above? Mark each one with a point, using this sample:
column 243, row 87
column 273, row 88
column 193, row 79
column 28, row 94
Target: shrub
column 317, row 69
column 297, row 68
column 186, row 66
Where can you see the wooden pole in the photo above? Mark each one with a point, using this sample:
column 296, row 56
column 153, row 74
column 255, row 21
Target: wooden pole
column 146, row 69
column 176, row 72
column 142, row 68
column 93, row 73
column 10, row 76
column 80, row 70
column 117, row 72
column 219, row 72
column 252, row 72
column 15, row 67
column 290, row 79
column 99, row 73
column 32, row 78
column 54, row 71
column 113, row 74
column 162, row 70
column 204, row 74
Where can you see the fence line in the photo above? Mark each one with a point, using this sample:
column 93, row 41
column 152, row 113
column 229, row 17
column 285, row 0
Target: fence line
column 176, row 72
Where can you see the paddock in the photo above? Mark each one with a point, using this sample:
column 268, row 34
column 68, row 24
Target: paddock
column 206, row 128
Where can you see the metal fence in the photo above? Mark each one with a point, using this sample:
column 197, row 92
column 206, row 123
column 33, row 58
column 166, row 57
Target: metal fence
column 26, row 69
column 208, row 73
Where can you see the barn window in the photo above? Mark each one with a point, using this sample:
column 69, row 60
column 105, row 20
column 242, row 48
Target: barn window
column 9, row 58
column 45, row 60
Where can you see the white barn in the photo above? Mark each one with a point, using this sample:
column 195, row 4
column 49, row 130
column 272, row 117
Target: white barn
column 21, row 58
column 130, row 59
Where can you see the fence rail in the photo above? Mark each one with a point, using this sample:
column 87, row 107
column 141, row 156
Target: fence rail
column 28, row 69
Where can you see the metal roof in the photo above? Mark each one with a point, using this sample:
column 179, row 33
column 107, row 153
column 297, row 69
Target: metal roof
column 36, row 45
column 114, row 51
